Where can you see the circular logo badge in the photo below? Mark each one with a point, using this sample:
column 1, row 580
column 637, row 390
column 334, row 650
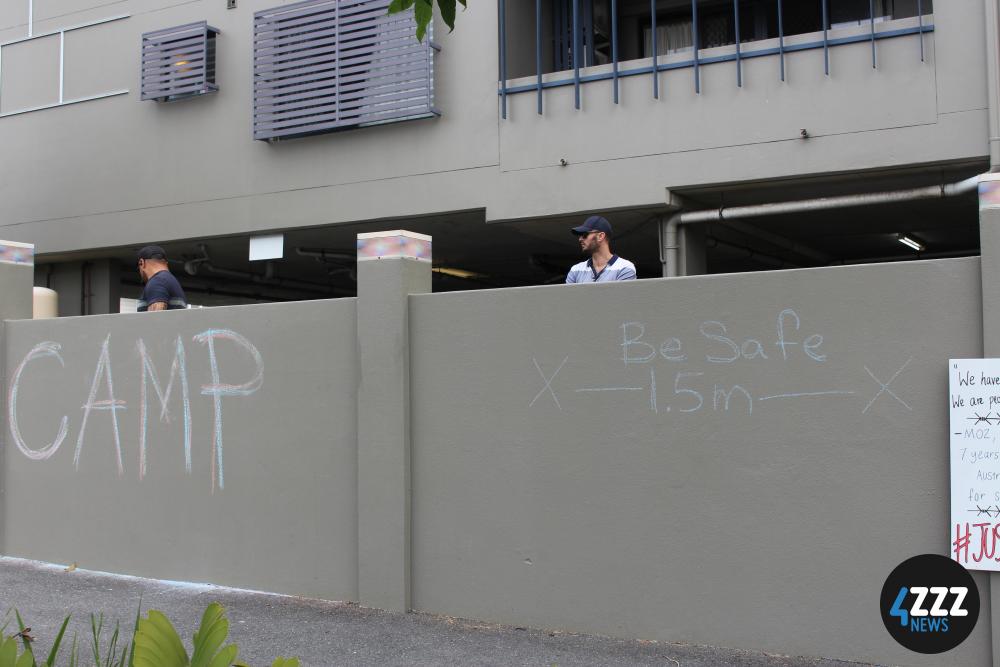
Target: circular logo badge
column 930, row 604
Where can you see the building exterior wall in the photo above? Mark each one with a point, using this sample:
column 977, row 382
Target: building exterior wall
column 593, row 458
column 697, row 499
column 116, row 171
column 269, row 499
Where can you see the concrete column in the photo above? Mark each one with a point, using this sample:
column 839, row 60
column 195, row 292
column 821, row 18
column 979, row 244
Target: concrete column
column 693, row 254
column 992, row 25
column 391, row 266
column 17, row 274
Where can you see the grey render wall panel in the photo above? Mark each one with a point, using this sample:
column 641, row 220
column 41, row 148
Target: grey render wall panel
column 30, row 74
column 12, row 15
column 274, row 509
column 962, row 89
column 61, row 9
column 695, row 499
column 110, row 45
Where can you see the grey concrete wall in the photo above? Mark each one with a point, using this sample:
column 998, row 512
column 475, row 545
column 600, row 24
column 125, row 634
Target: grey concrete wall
column 190, row 168
column 731, row 460
column 269, row 500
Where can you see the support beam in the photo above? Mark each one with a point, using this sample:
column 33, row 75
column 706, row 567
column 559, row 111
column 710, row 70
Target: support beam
column 17, row 274
column 391, row 266
column 989, row 242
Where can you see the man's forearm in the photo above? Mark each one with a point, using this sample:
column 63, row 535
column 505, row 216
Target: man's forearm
column 159, row 305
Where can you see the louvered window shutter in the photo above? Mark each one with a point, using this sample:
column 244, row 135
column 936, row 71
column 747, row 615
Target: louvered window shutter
column 327, row 65
column 178, row 62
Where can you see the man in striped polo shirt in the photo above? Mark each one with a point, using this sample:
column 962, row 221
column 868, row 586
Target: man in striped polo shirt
column 603, row 266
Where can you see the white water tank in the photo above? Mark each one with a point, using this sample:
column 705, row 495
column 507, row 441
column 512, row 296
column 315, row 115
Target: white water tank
column 46, row 303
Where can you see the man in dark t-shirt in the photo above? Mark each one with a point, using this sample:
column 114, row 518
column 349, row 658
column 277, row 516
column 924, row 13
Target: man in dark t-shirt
column 161, row 291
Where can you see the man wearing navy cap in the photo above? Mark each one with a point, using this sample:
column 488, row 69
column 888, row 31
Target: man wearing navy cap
column 161, row 291
column 603, row 266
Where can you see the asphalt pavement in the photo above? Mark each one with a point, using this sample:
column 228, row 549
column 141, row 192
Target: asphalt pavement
column 323, row 633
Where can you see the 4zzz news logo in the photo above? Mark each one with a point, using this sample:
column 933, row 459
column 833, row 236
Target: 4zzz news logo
column 930, row 604
column 935, row 619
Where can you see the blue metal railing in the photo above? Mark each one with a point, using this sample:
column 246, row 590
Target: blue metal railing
column 502, row 18
column 614, row 46
column 561, row 45
column 576, row 50
column 871, row 19
column 781, row 39
column 695, row 45
column 739, row 61
column 656, row 78
column 826, row 38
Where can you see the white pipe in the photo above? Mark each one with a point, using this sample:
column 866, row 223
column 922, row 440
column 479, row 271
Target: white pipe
column 992, row 25
column 669, row 235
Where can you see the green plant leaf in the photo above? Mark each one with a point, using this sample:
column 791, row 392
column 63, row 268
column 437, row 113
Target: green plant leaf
column 26, row 660
column 135, row 628
column 447, row 9
column 112, row 655
column 51, row 659
column 285, row 662
column 8, row 652
column 157, row 643
column 96, row 627
column 225, row 657
column 213, row 631
column 24, row 634
column 72, row 653
column 397, row 6
column 423, row 12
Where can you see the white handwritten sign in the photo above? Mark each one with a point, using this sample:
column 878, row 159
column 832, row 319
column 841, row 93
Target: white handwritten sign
column 974, row 399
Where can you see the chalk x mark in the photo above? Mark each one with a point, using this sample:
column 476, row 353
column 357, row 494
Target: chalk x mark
column 807, row 393
column 884, row 387
column 548, row 382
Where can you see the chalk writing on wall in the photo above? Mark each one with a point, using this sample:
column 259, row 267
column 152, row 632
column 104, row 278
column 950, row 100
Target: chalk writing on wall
column 102, row 398
column 974, row 402
column 696, row 382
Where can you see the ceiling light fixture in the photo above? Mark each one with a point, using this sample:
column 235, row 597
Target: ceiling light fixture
column 457, row 273
column 910, row 242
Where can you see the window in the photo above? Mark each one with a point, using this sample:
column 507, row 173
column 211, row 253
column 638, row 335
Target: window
column 178, row 62
column 758, row 20
column 328, row 65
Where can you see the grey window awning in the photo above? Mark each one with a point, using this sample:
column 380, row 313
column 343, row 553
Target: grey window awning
column 327, row 65
column 178, row 62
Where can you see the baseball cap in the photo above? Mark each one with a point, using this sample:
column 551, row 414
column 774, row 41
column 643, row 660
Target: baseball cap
column 152, row 252
column 594, row 223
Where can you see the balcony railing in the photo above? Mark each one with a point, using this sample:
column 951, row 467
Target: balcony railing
column 575, row 34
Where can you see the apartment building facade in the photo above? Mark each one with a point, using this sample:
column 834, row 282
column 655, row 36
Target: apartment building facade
column 494, row 138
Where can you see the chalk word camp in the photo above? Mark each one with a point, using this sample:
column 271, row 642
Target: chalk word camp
column 150, row 379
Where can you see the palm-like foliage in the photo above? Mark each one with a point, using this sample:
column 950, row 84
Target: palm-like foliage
column 423, row 12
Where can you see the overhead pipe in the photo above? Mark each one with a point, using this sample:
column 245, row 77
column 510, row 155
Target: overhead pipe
column 669, row 228
column 191, row 267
